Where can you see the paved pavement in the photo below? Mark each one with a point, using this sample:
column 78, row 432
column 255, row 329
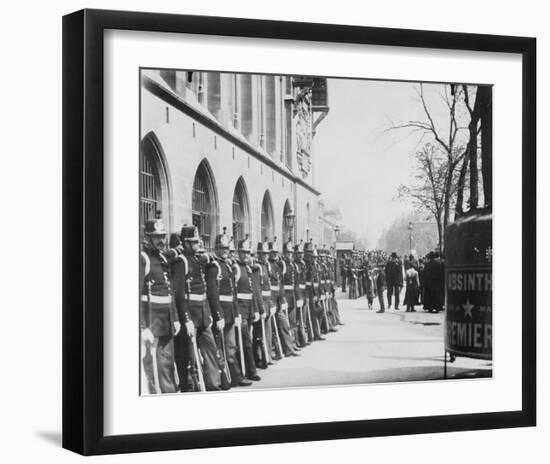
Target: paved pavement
column 370, row 347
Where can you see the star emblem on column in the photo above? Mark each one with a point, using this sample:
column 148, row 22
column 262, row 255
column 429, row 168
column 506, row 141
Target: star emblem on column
column 468, row 308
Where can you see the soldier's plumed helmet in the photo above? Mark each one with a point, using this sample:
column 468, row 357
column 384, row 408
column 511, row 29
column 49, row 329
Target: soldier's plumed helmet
column 189, row 234
column 288, row 247
column 274, row 246
column 263, row 247
column 222, row 240
column 155, row 227
column 244, row 245
column 299, row 248
column 308, row 247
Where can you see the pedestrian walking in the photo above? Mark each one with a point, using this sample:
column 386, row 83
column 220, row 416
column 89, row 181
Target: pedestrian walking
column 380, row 286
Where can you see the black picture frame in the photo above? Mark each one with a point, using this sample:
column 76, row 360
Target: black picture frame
column 83, row 199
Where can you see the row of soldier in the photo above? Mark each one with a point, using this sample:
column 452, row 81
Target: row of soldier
column 209, row 322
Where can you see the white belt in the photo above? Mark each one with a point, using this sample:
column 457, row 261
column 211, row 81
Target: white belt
column 275, row 288
column 284, row 306
column 302, row 286
column 226, row 298
column 323, row 281
column 315, row 285
column 244, row 296
column 266, row 292
column 299, row 303
column 197, row 297
column 289, row 287
column 167, row 299
column 308, row 284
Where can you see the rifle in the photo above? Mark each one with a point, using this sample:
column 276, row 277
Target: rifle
column 276, row 328
column 264, row 344
column 324, row 306
column 225, row 365
column 153, row 346
column 310, row 324
column 202, row 386
column 241, row 348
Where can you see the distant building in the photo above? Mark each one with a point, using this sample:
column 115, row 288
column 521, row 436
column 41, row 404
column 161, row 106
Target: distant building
column 234, row 150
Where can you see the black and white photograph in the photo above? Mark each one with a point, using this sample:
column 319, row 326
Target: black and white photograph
column 300, row 231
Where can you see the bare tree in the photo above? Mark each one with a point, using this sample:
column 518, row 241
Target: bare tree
column 428, row 190
column 445, row 134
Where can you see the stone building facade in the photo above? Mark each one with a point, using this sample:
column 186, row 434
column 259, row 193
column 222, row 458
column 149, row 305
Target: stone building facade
column 231, row 150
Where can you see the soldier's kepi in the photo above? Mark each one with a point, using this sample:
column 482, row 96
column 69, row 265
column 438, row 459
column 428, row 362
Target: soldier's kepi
column 158, row 318
column 197, row 358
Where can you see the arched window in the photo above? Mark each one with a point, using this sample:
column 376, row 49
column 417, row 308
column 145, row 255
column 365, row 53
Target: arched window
column 267, row 217
column 204, row 206
column 240, row 211
column 153, row 184
column 286, row 230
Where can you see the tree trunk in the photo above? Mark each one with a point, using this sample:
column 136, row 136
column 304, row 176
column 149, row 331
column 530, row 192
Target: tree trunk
column 439, row 233
column 459, row 210
column 487, row 146
column 472, row 154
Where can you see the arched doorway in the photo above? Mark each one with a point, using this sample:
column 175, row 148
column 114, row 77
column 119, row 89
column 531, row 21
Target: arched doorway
column 267, row 221
column 204, row 205
column 154, row 192
column 241, row 216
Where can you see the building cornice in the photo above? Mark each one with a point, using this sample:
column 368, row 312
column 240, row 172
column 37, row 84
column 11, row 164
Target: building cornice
column 169, row 97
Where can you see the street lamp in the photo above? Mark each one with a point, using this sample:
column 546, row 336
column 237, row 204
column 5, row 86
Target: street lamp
column 289, row 220
column 336, row 231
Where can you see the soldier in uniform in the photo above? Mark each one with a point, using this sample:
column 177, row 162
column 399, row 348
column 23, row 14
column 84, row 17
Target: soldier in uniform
column 158, row 318
column 264, row 269
column 248, row 314
column 278, row 297
column 332, row 288
column 289, row 287
column 312, row 289
column 190, row 291
column 258, row 327
column 221, row 297
column 324, row 287
column 300, row 290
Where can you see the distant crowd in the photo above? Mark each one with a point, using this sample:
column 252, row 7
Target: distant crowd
column 375, row 272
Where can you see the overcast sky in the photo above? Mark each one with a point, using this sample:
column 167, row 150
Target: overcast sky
column 358, row 163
